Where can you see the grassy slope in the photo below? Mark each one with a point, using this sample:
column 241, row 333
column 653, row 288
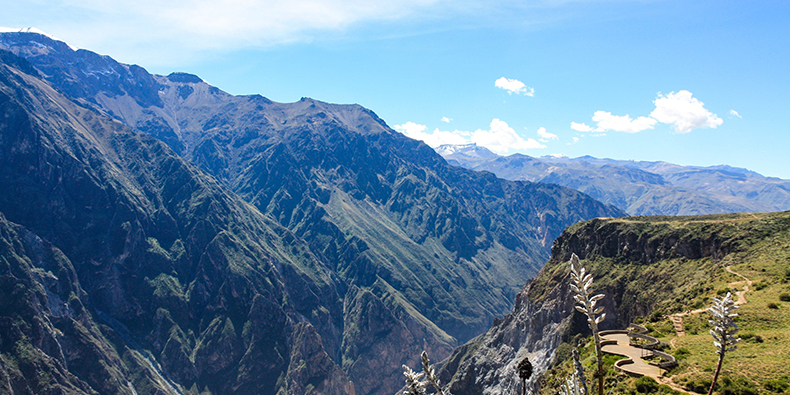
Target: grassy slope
column 755, row 245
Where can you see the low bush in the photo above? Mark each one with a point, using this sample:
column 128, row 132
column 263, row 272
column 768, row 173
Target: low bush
column 776, row 385
column 700, row 386
column 681, row 353
column 737, row 386
column 646, row 385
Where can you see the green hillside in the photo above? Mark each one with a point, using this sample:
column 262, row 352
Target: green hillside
column 653, row 267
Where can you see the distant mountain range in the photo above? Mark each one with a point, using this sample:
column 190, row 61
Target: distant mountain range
column 162, row 236
column 638, row 188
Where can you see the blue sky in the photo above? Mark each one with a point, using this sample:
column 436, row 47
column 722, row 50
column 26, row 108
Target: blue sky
column 701, row 82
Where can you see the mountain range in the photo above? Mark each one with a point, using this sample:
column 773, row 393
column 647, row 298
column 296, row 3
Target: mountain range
column 160, row 236
column 637, row 187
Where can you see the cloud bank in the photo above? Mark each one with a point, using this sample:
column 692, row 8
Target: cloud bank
column 680, row 110
column 606, row 121
column 499, row 137
column 170, row 32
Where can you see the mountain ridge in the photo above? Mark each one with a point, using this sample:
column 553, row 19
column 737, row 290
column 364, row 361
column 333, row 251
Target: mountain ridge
column 386, row 227
column 152, row 247
column 638, row 187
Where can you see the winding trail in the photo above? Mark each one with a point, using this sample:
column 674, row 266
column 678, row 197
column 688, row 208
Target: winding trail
column 620, row 344
column 677, row 318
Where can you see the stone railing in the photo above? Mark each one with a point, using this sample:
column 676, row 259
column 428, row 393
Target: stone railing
column 668, row 361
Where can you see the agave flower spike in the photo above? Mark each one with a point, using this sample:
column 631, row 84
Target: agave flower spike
column 414, row 383
column 575, row 383
column 581, row 282
column 724, row 329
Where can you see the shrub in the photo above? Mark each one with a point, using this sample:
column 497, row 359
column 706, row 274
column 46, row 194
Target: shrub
column 776, row 385
column 562, row 354
column 646, row 385
column 737, row 386
column 699, row 386
column 681, row 353
column 784, row 297
column 656, row 316
column 773, row 305
column 760, row 286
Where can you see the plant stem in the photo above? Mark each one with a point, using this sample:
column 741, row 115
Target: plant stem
column 716, row 375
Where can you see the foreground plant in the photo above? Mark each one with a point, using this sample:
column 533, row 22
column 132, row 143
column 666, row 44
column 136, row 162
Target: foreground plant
column 581, row 281
column 524, row 372
column 415, row 385
column 575, row 384
column 724, row 329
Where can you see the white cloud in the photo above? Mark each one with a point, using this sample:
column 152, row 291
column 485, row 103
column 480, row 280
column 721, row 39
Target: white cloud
column 445, row 119
column 410, row 129
column 501, row 138
column 581, row 127
column 546, row 136
column 167, row 32
column 434, row 139
column 735, row 114
column 683, row 112
column 607, row 121
column 575, row 140
column 514, row 86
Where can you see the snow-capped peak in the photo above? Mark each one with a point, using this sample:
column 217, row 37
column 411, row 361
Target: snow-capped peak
column 33, row 30
column 471, row 150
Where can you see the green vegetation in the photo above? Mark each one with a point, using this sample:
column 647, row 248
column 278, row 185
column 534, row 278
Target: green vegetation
column 756, row 246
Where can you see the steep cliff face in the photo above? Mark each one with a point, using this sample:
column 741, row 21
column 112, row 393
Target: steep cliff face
column 155, row 278
column 640, row 264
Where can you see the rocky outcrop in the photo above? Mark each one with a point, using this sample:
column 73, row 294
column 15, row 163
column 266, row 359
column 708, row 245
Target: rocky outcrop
column 640, row 264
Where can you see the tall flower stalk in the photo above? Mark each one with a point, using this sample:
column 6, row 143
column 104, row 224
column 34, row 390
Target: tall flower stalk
column 415, row 385
column 575, row 384
column 581, row 281
column 724, row 329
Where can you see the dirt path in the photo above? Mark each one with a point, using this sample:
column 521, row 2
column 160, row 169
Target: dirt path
column 680, row 330
column 677, row 318
column 642, row 367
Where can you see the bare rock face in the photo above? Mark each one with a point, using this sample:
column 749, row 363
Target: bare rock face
column 127, row 270
column 489, row 363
